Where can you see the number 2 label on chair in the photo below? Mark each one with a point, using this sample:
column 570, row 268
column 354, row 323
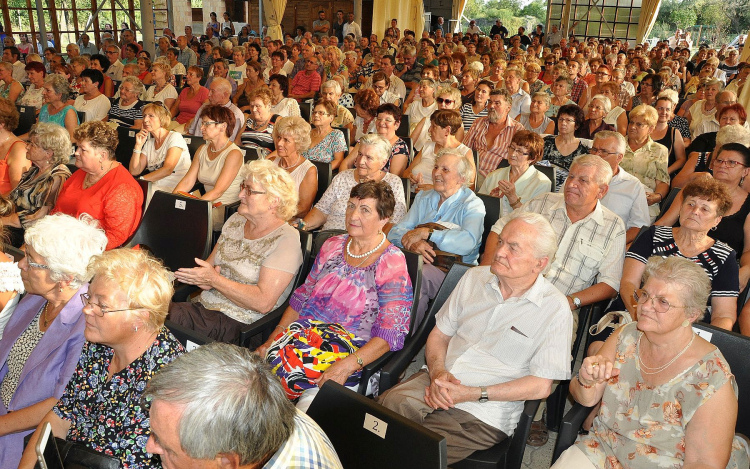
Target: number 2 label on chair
column 375, row 425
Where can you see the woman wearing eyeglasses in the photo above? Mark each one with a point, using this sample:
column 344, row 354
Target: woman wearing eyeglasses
column 42, row 341
column 126, row 344
column 239, row 288
column 668, row 396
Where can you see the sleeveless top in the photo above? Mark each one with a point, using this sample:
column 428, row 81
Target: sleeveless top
column 524, row 120
column 668, row 141
column 57, row 118
column 298, row 174
column 209, row 171
column 730, row 229
column 5, row 186
column 640, row 425
column 613, row 115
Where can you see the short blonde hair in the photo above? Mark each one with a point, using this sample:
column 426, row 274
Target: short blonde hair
column 734, row 133
column 164, row 68
column 648, row 113
column 164, row 116
column 297, row 128
column 54, row 138
column 143, row 278
column 137, row 84
column 276, row 182
column 100, row 135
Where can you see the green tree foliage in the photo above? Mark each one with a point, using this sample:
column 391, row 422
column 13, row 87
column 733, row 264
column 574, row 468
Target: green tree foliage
column 510, row 12
column 721, row 19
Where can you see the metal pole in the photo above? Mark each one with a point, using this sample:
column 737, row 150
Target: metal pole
column 42, row 28
column 147, row 26
column 260, row 19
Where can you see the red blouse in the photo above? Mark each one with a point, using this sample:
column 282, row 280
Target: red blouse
column 115, row 201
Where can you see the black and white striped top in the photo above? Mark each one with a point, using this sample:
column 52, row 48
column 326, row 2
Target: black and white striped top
column 719, row 261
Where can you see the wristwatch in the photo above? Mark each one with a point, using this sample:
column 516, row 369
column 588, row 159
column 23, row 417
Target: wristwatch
column 484, row 397
column 576, row 301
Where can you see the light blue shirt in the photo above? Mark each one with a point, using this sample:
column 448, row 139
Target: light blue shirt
column 521, row 103
column 463, row 208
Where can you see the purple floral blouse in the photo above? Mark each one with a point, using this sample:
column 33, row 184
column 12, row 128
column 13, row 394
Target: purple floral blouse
column 372, row 301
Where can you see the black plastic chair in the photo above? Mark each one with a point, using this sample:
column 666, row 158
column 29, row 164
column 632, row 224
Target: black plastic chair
column 125, row 145
column 176, row 229
column 367, row 435
column 508, row 454
column 81, row 117
column 325, row 176
column 736, row 351
column 391, row 371
column 26, row 120
column 410, row 146
column 403, row 129
column 492, row 214
column 187, row 337
column 347, row 136
column 305, row 110
column 667, row 202
column 148, row 192
column 194, row 143
column 407, row 191
column 250, row 154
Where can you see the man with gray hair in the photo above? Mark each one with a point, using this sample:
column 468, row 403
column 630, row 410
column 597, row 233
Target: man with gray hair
column 626, row 195
column 591, row 244
column 219, row 406
column 218, row 95
column 501, row 338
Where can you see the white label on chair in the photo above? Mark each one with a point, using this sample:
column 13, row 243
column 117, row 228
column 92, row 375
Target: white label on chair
column 23, row 109
column 179, row 204
column 705, row 335
column 375, row 425
column 187, row 140
column 190, row 346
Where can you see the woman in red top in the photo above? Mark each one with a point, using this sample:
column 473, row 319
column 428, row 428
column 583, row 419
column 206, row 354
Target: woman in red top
column 101, row 63
column 191, row 98
column 103, row 188
column 13, row 162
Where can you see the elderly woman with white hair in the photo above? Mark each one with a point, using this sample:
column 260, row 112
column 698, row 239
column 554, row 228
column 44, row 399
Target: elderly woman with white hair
column 330, row 211
column 10, row 89
column 127, row 111
column 454, row 219
column 536, row 120
column 677, row 386
column 42, row 341
column 331, row 91
column 126, row 344
column 425, row 105
column 49, row 150
column 162, row 90
column 292, row 136
column 251, row 269
column 598, row 108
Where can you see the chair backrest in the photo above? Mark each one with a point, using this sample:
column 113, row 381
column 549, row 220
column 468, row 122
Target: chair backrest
column 178, row 80
column 305, row 110
column 550, row 172
column 666, row 203
column 319, row 238
column 189, row 339
column 125, row 145
column 403, row 129
column 81, row 117
column 325, row 176
column 250, row 154
column 457, row 270
column 492, row 214
column 410, row 146
column 148, row 192
column 27, row 119
column 476, row 167
column 414, row 264
column 194, row 143
column 176, row 229
column 736, row 350
column 347, row 135
column 407, row 191
column 367, row 435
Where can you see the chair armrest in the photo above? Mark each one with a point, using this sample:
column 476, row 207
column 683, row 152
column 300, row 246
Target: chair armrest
column 182, row 291
column 263, row 326
column 372, row 368
column 569, row 427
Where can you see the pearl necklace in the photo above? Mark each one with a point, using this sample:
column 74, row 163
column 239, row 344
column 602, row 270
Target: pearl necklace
column 368, row 253
column 663, row 367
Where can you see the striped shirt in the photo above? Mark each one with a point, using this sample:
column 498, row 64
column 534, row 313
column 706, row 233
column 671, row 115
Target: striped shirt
column 490, row 157
column 468, row 116
column 308, row 447
column 127, row 115
column 588, row 251
column 719, row 261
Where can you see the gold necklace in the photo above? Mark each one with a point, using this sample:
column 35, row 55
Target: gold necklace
column 44, row 315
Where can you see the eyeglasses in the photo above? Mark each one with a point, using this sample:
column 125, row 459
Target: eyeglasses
column 727, row 163
column 244, row 188
column 207, row 123
column 604, row 74
column 659, row 303
column 445, row 101
column 320, row 113
column 602, row 151
column 86, row 299
column 37, row 266
column 518, row 150
column 567, row 121
column 640, row 125
column 385, row 120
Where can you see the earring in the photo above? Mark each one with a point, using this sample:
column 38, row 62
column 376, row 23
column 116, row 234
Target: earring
column 742, row 180
column 60, row 289
column 136, row 328
column 714, row 228
column 685, row 323
column 101, row 164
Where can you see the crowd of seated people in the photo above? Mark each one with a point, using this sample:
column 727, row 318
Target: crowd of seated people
column 422, row 136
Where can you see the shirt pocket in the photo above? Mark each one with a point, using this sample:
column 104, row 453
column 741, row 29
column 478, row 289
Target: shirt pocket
column 589, row 256
column 513, row 348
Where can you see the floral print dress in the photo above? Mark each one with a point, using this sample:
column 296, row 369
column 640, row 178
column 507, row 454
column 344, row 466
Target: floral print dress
column 643, row 426
column 106, row 414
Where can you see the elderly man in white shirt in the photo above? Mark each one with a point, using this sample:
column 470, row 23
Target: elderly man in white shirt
column 502, row 337
column 521, row 101
column 626, row 195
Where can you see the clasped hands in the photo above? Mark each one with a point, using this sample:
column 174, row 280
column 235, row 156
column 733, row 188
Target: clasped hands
column 445, row 391
column 596, row 370
column 416, row 240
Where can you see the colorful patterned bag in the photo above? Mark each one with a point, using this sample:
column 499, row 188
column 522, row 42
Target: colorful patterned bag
column 306, row 349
